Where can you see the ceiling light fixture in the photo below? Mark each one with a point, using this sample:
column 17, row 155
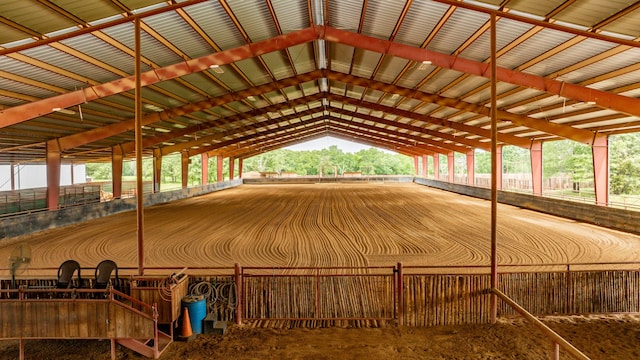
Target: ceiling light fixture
column 251, row 98
column 395, row 96
column 216, row 69
column 424, row 65
column 63, row 111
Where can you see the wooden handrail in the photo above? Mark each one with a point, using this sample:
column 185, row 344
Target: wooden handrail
column 557, row 339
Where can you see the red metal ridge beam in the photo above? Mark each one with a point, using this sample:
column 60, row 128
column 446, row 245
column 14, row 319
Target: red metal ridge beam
column 20, row 113
column 603, row 99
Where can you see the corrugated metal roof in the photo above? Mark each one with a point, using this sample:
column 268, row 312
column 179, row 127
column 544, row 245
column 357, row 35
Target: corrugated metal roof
column 592, row 11
column 103, row 51
column 214, row 21
column 581, row 51
column 457, row 30
column 180, row 34
column 381, row 17
column 507, row 31
column 540, row 43
column 35, row 73
column 62, row 60
column 420, row 21
column 106, row 56
column 255, row 18
column 291, row 15
column 345, row 14
column 33, row 17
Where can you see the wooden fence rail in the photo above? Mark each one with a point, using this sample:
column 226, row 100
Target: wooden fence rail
column 334, row 296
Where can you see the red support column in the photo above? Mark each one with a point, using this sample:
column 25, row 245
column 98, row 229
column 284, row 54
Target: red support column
column 232, row 163
column 185, row 169
column 157, row 170
column 240, row 163
column 205, row 168
column 416, row 165
column 471, row 174
column 600, row 152
column 54, row 162
column 219, row 168
column 116, row 171
column 450, row 167
column 536, row 167
column 498, row 167
column 436, row 166
column 13, row 176
column 425, row 165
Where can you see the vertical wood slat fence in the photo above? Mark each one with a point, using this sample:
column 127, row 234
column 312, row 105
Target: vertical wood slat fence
column 436, row 299
column 313, row 297
column 318, row 299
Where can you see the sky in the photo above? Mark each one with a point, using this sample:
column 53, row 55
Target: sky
column 325, row 142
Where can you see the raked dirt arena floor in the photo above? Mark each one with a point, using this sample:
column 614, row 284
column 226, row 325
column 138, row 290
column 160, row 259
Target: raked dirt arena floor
column 343, row 225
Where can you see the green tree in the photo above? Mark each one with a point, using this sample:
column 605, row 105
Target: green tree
column 624, row 164
column 570, row 158
column 99, row 171
column 483, row 162
column 515, row 160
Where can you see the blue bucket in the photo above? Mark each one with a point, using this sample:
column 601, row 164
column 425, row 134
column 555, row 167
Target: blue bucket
column 197, row 307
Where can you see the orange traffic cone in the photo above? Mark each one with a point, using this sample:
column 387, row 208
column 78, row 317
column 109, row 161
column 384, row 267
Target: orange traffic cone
column 186, row 332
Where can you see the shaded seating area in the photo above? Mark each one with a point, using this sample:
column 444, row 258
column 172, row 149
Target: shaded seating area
column 69, row 275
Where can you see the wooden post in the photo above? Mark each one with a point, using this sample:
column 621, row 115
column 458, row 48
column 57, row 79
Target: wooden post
column 569, row 309
column 555, row 351
column 53, row 161
column 113, row 349
column 238, row 280
column 318, row 305
column 400, row 297
column 494, row 177
column 138, row 143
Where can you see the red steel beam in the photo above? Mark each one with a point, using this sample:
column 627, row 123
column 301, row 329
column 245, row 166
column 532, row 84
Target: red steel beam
column 96, row 27
column 565, row 131
column 455, row 139
column 20, row 113
column 545, row 24
column 445, row 147
column 79, row 139
column 603, row 99
column 506, row 138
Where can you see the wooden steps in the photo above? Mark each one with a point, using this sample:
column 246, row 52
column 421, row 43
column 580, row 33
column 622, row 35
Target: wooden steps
column 147, row 347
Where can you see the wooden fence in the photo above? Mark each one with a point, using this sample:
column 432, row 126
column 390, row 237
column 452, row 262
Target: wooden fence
column 371, row 296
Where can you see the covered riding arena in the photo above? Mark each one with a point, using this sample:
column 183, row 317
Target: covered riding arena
column 308, row 251
column 446, row 262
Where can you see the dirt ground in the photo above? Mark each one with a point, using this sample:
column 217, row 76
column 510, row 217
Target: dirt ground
column 342, row 225
column 599, row 337
column 326, row 225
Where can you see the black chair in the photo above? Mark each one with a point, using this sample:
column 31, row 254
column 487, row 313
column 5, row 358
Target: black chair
column 65, row 274
column 103, row 274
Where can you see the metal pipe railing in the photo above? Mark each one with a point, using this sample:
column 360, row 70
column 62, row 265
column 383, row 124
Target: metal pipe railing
column 556, row 339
